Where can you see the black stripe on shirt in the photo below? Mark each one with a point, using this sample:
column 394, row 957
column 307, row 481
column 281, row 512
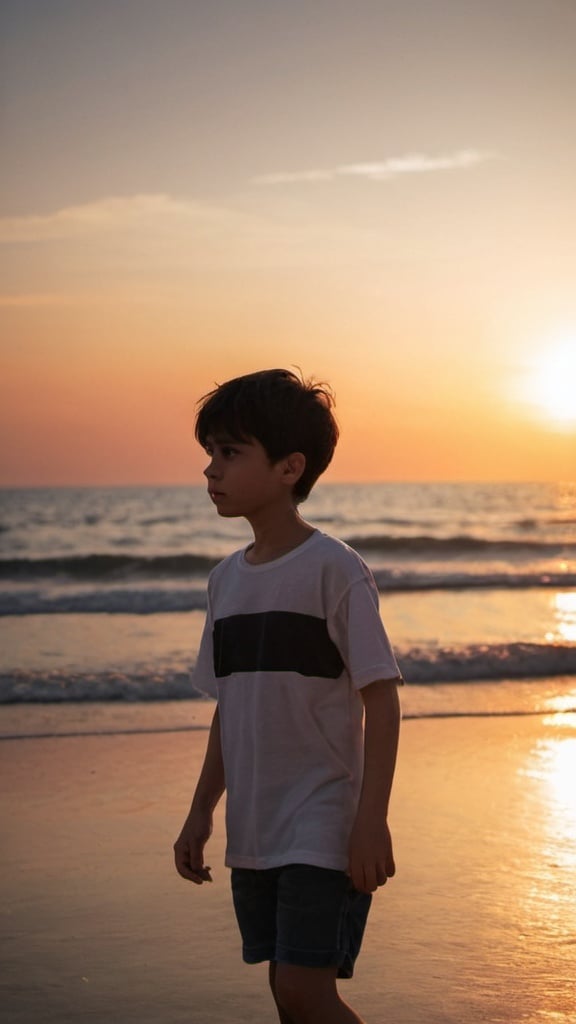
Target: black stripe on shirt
column 275, row 642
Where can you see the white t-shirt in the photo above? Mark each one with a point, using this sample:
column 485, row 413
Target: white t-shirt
column 286, row 646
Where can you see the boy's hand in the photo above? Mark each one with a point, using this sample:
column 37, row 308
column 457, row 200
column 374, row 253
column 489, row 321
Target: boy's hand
column 189, row 848
column 370, row 860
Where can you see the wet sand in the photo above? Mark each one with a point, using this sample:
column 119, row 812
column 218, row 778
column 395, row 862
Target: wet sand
column 479, row 924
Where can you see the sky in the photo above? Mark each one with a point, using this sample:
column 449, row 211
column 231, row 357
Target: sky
column 379, row 194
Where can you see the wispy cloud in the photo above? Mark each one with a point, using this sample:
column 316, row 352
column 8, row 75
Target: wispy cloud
column 164, row 215
column 382, row 170
column 143, row 245
column 113, row 214
column 132, row 244
column 124, row 245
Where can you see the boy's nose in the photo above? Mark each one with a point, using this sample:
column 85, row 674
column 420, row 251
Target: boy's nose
column 210, row 470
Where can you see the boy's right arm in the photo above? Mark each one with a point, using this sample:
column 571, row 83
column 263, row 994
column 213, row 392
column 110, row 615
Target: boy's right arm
column 189, row 847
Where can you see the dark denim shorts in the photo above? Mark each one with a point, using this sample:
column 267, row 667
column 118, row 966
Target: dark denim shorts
column 300, row 914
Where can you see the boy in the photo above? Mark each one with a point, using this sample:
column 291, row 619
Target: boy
column 296, row 652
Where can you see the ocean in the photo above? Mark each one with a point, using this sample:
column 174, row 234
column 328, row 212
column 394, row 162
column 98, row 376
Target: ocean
column 102, row 595
column 102, row 591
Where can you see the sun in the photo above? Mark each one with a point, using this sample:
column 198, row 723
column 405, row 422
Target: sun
column 550, row 386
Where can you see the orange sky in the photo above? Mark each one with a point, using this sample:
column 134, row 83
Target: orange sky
column 191, row 194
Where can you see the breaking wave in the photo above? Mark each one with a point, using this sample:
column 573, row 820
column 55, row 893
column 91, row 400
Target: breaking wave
column 112, row 597
column 463, row 664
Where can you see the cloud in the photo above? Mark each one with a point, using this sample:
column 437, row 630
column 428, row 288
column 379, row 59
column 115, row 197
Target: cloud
column 412, row 163
column 287, row 178
column 129, row 247
column 144, row 244
column 163, row 216
column 113, row 214
column 133, row 243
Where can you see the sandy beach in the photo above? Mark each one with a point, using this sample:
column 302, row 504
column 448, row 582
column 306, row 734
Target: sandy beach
column 478, row 925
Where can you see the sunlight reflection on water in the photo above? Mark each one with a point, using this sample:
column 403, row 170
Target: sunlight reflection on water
column 563, row 613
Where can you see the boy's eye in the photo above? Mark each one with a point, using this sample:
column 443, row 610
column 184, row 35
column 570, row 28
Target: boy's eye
column 226, row 451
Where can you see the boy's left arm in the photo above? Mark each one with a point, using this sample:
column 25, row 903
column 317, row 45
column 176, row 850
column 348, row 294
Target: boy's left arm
column 371, row 860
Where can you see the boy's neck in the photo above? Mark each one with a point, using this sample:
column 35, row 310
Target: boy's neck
column 276, row 536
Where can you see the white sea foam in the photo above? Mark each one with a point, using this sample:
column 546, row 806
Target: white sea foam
column 440, row 665
column 177, row 596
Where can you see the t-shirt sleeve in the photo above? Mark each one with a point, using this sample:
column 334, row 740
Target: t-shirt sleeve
column 361, row 637
column 203, row 678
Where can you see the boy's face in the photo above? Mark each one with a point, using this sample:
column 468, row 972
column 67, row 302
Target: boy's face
column 242, row 481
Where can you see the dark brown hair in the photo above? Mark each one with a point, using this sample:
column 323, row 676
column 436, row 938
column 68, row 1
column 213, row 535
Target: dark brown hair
column 282, row 411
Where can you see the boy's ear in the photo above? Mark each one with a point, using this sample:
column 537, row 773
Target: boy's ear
column 292, row 468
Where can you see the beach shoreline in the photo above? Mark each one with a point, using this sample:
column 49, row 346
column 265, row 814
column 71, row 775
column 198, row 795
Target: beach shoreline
column 477, row 925
column 38, row 719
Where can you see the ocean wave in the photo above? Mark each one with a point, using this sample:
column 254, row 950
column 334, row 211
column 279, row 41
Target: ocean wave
column 427, row 545
column 119, row 566
column 109, row 601
column 534, row 523
column 457, row 664
column 38, row 686
column 106, row 566
column 464, row 664
column 162, row 520
column 153, row 600
column 388, row 581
